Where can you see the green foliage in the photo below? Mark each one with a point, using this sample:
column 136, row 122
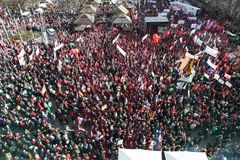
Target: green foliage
column 26, row 35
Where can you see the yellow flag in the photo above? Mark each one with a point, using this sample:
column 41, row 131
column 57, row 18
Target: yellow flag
column 184, row 63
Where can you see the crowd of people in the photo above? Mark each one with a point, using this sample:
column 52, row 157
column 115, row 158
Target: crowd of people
column 85, row 99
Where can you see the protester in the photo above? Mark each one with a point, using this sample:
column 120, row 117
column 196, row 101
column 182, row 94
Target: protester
column 88, row 97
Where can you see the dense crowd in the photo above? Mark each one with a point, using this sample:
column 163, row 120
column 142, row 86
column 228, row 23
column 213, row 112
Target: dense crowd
column 86, row 99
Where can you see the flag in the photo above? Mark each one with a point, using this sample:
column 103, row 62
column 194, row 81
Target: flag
column 121, row 51
column 115, row 39
column 181, row 21
column 37, row 51
column 21, row 57
column 59, row 65
column 211, row 51
column 189, row 68
column 216, row 76
column 211, row 64
column 184, row 63
column 227, row 76
column 55, row 50
column 198, row 40
column 145, row 37
column 174, row 25
column 194, row 26
column 44, row 89
column 221, row 81
column 199, row 26
column 228, row 84
column 206, row 75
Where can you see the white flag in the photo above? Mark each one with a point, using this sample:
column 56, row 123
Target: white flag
column 194, row 25
column 174, row 25
column 228, row 84
column 206, row 75
column 37, row 51
column 121, row 51
column 221, row 81
column 181, row 21
column 199, row 26
column 192, row 32
column 216, row 76
column 198, row 40
column 145, row 37
column 55, row 50
column 115, row 39
column 21, row 57
column 227, row 76
column 211, row 64
column 211, row 51
column 59, row 65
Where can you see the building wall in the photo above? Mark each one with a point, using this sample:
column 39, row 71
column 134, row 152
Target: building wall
column 222, row 8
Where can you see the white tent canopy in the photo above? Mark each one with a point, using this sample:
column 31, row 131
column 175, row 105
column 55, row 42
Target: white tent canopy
column 90, row 9
column 138, row 154
column 85, row 19
column 185, row 155
column 122, row 19
column 121, row 9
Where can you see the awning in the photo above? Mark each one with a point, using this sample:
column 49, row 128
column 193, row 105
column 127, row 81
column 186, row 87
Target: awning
column 138, row 154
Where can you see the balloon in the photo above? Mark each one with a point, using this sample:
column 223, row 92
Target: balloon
column 156, row 38
column 74, row 51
